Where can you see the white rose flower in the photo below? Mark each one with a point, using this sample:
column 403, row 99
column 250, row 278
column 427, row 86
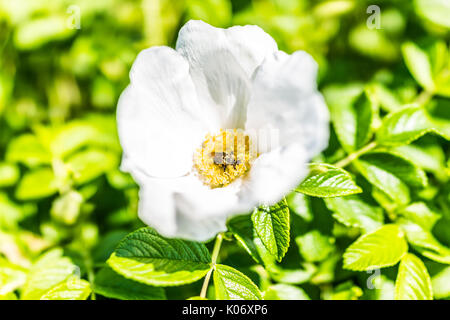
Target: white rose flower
column 223, row 124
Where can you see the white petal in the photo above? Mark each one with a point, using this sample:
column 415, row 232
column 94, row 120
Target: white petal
column 159, row 118
column 185, row 208
column 274, row 174
column 222, row 62
column 250, row 45
column 157, row 206
column 285, row 101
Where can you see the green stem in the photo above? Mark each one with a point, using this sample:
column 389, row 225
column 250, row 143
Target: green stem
column 215, row 255
column 90, row 274
column 424, row 97
column 354, row 155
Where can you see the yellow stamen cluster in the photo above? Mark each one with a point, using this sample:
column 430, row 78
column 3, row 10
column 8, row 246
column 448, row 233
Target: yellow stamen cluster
column 224, row 157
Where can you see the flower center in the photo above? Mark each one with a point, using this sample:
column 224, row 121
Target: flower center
column 224, row 157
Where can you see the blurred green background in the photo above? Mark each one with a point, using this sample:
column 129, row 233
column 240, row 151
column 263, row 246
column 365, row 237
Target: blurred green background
column 59, row 154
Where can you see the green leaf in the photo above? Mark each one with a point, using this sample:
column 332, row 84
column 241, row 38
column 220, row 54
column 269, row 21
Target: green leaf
column 299, row 204
column 242, row 228
column 70, row 289
column 272, row 226
column 419, row 65
column 8, row 296
column 12, row 277
column 92, row 131
column 346, row 291
column 91, row 163
column 51, row 269
column 413, row 281
column 383, row 247
column 231, row 284
column 325, row 272
column 34, row 33
column 217, row 12
column 332, row 9
column 71, row 137
column 66, row 208
column 9, row 174
column 12, row 213
column 406, row 125
column 441, row 284
column 391, row 174
column 325, row 180
column 434, row 11
column 282, row 291
column 420, row 213
column 292, row 276
column 402, row 168
column 36, row 184
column 120, row 180
column 373, row 43
column 384, row 288
column 429, row 157
column 112, row 285
column 27, row 149
column 393, row 187
column 107, row 244
column 353, row 212
column 147, row 257
column 351, row 115
column 424, row 242
column 315, row 246
column 387, row 99
column 429, row 66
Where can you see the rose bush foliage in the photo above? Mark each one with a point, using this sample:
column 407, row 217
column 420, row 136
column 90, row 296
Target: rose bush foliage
column 370, row 221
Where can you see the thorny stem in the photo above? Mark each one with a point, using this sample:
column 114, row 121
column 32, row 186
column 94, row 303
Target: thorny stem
column 354, row 155
column 215, row 255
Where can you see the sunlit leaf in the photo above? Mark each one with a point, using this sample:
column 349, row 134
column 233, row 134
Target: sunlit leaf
column 325, row 180
column 419, row 65
column 346, row 291
column 90, row 164
column 285, row 292
column 9, row 174
column 147, row 257
column 353, row 212
column 406, row 125
column 36, row 32
column 424, row 242
column 392, row 174
column 231, row 284
column 272, row 226
column 413, row 281
column 441, row 283
column 435, row 11
column 315, row 246
column 39, row 183
column 70, row 289
column 351, row 114
column 299, row 204
column 28, row 150
column 50, row 270
column 12, row 277
column 383, row 247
